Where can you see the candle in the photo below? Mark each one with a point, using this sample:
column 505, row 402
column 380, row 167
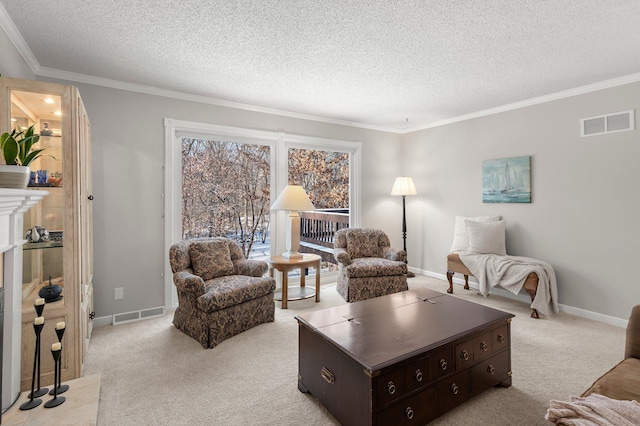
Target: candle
column 60, row 325
column 56, row 346
column 39, row 301
column 39, row 321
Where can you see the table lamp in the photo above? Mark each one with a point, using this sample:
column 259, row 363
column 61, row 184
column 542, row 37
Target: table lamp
column 293, row 199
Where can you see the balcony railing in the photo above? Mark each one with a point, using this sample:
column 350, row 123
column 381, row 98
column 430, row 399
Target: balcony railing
column 318, row 228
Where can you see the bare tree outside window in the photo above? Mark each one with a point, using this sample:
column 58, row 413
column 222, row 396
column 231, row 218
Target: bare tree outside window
column 225, row 191
column 323, row 174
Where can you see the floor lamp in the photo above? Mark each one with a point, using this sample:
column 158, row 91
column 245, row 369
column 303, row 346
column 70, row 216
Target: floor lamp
column 404, row 186
column 293, row 199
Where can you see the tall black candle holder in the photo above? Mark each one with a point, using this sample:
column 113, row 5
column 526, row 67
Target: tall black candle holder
column 34, row 401
column 58, row 386
column 39, row 308
column 37, row 327
column 56, row 400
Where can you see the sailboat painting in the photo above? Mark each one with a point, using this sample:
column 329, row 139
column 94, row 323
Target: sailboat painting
column 506, row 180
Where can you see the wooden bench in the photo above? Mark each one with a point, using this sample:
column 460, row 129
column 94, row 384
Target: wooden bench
column 454, row 264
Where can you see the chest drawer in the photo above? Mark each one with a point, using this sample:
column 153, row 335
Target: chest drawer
column 390, row 386
column 442, row 363
column 482, row 346
column 453, row 390
column 417, row 410
column 490, row 372
column 418, row 373
column 464, row 355
column 500, row 339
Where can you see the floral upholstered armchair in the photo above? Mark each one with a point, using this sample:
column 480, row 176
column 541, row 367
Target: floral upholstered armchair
column 368, row 266
column 220, row 292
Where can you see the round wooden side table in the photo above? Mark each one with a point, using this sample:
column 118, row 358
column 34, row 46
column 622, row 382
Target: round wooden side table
column 284, row 265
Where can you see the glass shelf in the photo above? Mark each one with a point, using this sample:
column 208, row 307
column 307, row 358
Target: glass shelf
column 43, row 245
column 43, row 185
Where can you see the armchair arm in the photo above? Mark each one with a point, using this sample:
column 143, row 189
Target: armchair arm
column 632, row 346
column 394, row 254
column 186, row 281
column 342, row 256
column 250, row 267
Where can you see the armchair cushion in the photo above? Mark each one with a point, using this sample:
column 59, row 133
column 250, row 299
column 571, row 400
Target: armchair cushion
column 375, row 267
column 363, row 244
column 211, row 259
column 233, row 290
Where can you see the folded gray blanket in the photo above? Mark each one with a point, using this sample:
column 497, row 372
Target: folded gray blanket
column 511, row 272
column 594, row 410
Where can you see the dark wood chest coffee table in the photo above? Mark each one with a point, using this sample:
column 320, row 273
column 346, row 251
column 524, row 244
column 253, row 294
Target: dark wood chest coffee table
column 405, row 358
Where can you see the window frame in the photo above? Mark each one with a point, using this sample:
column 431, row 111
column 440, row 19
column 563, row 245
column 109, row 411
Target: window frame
column 279, row 143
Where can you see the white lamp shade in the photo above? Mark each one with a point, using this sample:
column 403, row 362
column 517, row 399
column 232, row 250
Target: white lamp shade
column 293, row 198
column 403, row 186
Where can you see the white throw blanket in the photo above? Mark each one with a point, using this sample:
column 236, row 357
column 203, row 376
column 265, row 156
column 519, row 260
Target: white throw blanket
column 510, row 272
column 594, row 410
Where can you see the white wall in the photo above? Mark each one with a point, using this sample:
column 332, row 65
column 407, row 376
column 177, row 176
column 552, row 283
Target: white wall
column 12, row 64
column 128, row 155
column 585, row 207
column 582, row 219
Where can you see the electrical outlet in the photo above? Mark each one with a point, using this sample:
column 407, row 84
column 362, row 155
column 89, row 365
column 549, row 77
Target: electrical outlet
column 119, row 294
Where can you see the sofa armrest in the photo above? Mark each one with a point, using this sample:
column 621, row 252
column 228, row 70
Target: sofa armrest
column 394, row 254
column 342, row 256
column 250, row 267
column 632, row 345
column 187, row 281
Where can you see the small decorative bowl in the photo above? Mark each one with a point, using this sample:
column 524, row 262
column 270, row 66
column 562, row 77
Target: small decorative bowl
column 55, row 235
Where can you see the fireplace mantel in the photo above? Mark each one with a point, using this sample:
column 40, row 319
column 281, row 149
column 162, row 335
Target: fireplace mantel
column 13, row 204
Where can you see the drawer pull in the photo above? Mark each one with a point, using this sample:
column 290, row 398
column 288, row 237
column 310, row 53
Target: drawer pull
column 491, row 370
column 501, row 338
column 409, row 412
column 418, row 375
column 454, row 389
column 327, row 375
column 464, row 355
column 443, row 364
column 391, row 388
column 484, row 346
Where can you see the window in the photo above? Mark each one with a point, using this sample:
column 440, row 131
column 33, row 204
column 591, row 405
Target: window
column 277, row 144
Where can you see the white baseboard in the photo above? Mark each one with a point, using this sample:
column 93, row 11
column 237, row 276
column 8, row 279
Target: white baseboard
column 523, row 297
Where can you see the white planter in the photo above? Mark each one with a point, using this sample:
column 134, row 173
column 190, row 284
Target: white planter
column 16, row 177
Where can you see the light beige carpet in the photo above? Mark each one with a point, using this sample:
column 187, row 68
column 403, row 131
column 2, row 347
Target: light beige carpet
column 152, row 374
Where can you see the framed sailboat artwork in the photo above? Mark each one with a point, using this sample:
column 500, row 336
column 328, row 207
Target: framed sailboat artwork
column 506, row 180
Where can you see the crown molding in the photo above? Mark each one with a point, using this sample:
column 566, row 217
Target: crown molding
column 116, row 84
column 581, row 90
column 149, row 90
column 6, row 23
column 14, row 35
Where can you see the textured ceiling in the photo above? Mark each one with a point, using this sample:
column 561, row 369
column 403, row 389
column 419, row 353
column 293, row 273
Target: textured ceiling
column 393, row 64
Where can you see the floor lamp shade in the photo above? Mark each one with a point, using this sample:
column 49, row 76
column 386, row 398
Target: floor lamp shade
column 293, row 199
column 404, row 186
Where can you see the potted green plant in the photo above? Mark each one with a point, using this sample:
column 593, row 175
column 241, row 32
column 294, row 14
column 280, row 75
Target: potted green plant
column 18, row 152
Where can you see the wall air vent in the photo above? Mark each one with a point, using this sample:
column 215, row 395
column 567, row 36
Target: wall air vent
column 137, row 315
column 611, row 123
